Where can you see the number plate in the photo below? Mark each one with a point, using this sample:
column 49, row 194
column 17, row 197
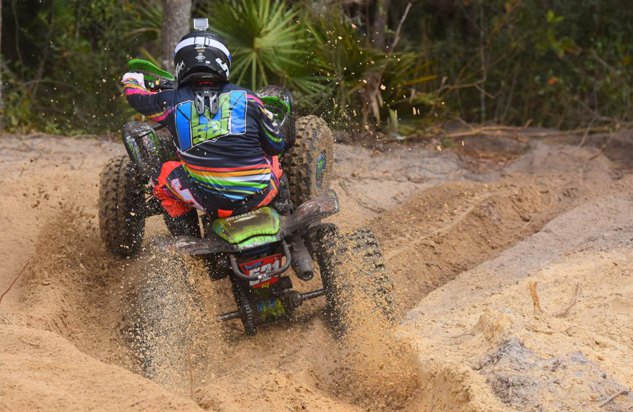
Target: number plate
column 261, row 266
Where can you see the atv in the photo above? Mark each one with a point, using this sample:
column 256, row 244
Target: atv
column 255, row 250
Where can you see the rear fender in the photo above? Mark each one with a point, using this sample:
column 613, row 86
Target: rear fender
column 311, row 212
column 213, row 244
column 307, row 214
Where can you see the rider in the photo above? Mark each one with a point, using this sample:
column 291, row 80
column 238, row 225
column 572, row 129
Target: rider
column 227, row 142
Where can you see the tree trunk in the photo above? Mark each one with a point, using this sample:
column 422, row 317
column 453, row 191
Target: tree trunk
column 378, row 36
column 176, row 23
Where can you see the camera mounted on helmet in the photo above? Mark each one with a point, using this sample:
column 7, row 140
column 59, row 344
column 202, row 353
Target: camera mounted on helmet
column 201, row 56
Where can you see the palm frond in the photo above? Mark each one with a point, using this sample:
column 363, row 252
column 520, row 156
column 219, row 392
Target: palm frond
column 267, row 42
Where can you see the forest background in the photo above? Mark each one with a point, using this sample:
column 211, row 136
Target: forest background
column 394, row 65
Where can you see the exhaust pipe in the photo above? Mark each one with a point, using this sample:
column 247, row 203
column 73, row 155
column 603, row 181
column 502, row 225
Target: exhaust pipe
column 301, row 259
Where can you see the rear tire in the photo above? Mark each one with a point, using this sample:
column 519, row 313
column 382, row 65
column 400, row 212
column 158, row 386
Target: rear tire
column 353, row 273
column 247, row 314
column 121, row 207
column 308, row 164
column 168, row 319
column 185, row 225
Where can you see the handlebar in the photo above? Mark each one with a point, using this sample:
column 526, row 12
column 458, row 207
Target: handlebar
column 156, row 79
column 159, row 84
column 150, row 68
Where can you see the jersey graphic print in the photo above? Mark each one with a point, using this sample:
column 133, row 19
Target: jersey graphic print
column 194, row 129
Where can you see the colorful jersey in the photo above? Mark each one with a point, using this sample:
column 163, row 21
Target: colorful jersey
column 228, row 153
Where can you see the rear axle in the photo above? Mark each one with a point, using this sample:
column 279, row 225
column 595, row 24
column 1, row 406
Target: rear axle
column 294, row 299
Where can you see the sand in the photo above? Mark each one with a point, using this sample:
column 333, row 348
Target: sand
column 473, row 237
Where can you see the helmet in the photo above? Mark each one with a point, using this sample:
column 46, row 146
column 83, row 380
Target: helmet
column 202, row 55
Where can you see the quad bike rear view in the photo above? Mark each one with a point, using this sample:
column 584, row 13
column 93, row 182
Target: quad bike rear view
column 255, row 250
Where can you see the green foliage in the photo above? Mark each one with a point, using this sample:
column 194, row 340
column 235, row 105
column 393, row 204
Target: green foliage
column 512, row 62
column 17, row 105
column 507, row 61
column 366, row 81
column 325, row 59
column 269, row 43
column 73, row 77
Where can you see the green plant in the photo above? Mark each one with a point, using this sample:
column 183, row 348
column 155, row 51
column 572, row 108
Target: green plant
column 367, row 82
column 71, row 83
column 566, row 65
column 17, row 106
column 268, row 41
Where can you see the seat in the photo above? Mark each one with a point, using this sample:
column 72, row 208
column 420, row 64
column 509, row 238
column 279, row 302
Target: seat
column 236, row 229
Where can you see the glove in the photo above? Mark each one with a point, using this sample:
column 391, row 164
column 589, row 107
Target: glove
column 136, row 78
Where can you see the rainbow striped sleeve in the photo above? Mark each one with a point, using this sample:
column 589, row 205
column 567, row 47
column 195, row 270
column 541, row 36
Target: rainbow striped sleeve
column 131, row 87
column 157, row 106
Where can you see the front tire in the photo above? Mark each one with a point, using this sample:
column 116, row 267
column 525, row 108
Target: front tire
column 308, row 164
column 121, row 207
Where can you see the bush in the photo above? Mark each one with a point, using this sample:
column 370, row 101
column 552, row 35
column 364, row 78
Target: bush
column 368, row 83
column 69, row 83
column 504, row 61
column 269, row 43
column 511, row 62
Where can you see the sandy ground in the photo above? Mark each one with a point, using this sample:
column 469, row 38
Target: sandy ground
column 510, row 259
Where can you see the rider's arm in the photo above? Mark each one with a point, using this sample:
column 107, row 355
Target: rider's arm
column 269, row 135
column 157, row 106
